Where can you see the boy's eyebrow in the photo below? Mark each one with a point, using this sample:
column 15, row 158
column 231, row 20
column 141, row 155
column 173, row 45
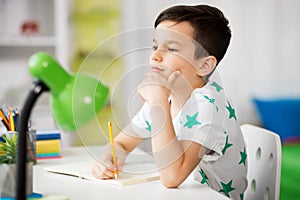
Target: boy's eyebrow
column 169, row 41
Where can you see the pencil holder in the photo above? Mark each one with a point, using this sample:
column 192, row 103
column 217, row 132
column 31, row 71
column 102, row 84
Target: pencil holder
column 8, row 179
column 31, row 144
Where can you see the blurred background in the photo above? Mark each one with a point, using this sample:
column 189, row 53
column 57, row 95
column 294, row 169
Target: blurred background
column 112, row 41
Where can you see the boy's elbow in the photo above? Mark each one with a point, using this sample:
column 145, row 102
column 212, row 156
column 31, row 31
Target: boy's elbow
column 170, row 185
column 171, row 182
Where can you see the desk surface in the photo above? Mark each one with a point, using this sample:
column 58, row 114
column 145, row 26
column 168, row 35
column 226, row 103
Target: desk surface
column 75, row 188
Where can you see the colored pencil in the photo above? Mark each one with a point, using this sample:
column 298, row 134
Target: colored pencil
column 5, row 120
column 11, row 121
column 111, row 139
column 5, row 124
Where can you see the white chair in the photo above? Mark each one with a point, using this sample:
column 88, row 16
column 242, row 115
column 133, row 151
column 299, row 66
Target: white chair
column 263, row 149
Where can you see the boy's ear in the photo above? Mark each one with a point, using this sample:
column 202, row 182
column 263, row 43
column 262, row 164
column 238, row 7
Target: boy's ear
column 206, row 65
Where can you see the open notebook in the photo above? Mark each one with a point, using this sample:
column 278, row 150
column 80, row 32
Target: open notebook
column 132, row 173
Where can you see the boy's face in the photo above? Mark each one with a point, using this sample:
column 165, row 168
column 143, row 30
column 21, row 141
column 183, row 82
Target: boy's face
column 174, row 50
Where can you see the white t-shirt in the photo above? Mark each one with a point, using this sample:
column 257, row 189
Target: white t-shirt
column 208, row 117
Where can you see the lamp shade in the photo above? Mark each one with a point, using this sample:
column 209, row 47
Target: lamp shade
column 75, row 98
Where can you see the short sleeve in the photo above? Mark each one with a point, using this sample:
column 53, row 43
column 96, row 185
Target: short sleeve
column 141, row 122
column 201, row 121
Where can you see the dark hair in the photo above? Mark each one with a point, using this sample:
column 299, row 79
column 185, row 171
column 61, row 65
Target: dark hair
column 210, row 27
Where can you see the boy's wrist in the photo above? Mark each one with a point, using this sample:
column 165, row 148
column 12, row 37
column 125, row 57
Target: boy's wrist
column 163, row 101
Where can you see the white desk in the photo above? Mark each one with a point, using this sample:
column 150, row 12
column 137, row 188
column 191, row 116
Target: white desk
column 75, row 188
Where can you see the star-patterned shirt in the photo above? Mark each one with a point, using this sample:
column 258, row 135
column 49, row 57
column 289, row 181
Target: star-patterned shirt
column 209, row 118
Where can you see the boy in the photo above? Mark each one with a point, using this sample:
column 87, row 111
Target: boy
column 188, row 118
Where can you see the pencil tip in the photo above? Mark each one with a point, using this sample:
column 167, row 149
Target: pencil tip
column 116, row 176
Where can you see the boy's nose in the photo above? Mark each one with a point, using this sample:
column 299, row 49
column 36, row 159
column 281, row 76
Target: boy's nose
column 157, row 55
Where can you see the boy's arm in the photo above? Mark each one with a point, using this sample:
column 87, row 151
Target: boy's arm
column 124, row 143
column 175, row 159
column 127, row 139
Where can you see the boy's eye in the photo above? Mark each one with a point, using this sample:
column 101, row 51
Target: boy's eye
column 154, row 47
column 172, row 50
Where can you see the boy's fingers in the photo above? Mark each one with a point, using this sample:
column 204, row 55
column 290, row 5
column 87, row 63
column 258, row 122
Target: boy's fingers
column 172, row 78
column 100, row 171
column 120, row 165
column 107, row 163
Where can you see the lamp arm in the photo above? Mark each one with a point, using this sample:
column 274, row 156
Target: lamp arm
column 37, row 89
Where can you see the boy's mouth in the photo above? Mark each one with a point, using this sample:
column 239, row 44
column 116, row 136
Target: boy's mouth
column 156, row 69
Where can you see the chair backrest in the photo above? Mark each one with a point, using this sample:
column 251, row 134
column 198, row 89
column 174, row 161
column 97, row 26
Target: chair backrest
column 263, row 149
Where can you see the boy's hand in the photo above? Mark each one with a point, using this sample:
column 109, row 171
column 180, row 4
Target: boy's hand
column 155, row 83
column 104, row 168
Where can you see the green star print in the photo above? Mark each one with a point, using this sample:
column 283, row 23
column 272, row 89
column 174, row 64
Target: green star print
column 211, row 100
column 227, row 145
column 180, row 120
column 243, row 157
column 241, row 196
column 191, row 120
column 231, row 111
column 227, row 188
column 217, row 86
column 204, row 177
column 148, row 128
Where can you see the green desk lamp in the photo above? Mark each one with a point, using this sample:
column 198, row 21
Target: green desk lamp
column 75, row 99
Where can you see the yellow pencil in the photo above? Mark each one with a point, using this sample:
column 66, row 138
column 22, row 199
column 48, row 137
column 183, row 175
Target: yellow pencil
column 12, row 123
column 111, row 139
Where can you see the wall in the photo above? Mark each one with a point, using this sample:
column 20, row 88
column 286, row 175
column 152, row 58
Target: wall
column 261, row 60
